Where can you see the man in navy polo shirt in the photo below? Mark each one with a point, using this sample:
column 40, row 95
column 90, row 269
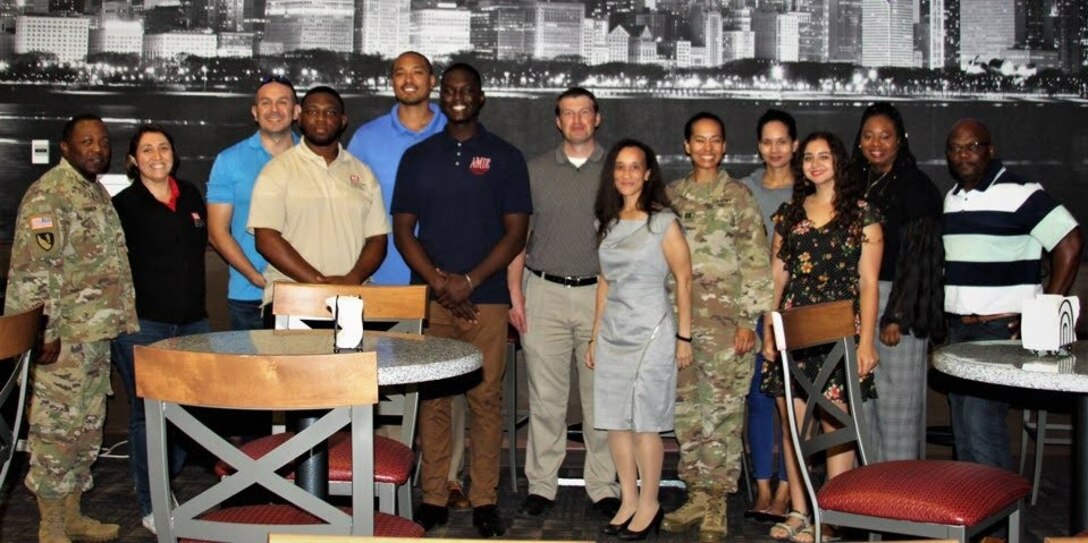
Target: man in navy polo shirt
column 468, row 192
column 230, row 186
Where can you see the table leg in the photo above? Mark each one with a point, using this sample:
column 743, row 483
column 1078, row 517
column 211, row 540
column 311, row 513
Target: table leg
column 1080, row 469
column 312, row 474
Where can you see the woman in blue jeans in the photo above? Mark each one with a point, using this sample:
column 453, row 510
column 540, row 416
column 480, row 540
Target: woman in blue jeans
column 164, row 223
column 772, row 185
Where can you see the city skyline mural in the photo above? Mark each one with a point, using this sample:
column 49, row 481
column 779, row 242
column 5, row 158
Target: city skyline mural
column 192, row 65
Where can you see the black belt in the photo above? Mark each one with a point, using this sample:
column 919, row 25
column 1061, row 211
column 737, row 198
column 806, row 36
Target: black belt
column 566, row 280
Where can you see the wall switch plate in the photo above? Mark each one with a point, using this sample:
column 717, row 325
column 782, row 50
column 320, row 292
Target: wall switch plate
column 39, row 151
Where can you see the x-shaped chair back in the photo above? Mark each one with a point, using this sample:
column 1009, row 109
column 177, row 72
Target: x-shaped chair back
column 18, row 333
column 926, row 498
column 406, row 306
column 346, row 384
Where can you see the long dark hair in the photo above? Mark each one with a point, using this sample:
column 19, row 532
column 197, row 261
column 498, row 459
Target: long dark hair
column 609, row 201
column 847, row 188
column 133, row 144
column 904, row 158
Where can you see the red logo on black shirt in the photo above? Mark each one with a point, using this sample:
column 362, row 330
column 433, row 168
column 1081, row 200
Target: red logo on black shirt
column 480, row 165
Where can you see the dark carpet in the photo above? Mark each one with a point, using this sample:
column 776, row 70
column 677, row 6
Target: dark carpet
column 571, row 519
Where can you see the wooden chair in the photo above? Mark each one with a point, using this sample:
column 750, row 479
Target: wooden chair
column 921, row 498
column 18, row 334
column 346, row 384
column 406, row 306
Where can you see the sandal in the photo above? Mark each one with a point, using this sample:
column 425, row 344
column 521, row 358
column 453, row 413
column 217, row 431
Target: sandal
column 781, row 531
column 809, row 535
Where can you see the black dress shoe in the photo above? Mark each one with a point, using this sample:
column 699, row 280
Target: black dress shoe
column 607, row 507
column 487, row 521
column 535, row 505
column 430, row 516
column 615, row 529
column 654, row 526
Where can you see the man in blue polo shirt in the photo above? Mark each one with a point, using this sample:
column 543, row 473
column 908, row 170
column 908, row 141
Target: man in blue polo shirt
column 996, row 225
column 381, row 142
column 230, row 187
column 468, row 191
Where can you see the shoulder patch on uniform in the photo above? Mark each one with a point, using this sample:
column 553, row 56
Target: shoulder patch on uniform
column 45, row 240
column 41, row 222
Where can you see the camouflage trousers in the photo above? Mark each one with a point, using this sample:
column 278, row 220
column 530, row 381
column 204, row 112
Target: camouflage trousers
column 710, row 415
column 67, row 411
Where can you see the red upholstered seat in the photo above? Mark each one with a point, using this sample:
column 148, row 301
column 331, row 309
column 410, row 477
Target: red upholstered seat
column 393, row 460
column 384, row 525
column 933, row 491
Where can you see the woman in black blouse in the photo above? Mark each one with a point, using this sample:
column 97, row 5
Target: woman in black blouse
column 164, row 221
column 911, row 290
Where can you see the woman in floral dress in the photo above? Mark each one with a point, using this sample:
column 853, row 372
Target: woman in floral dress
column 827, row 247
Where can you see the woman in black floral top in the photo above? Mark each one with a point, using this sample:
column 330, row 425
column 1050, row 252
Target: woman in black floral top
column 827, row 247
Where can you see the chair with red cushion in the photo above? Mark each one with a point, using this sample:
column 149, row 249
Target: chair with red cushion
column 922, row 498
column 171, row 381
column 405, row 307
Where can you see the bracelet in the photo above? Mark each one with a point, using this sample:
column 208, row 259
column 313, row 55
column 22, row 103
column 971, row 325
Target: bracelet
column 469, row 279
column 682, row 338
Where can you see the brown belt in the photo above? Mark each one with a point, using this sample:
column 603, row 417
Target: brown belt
column 978, row 319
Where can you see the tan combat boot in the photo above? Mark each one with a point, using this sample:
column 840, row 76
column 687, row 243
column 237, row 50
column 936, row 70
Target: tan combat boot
column 713, row 530
column 51, row 529
column 81, row 528
column 687, row 515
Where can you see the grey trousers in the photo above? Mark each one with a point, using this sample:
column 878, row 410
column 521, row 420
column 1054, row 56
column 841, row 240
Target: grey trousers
column 560, row 321
column 897, row 418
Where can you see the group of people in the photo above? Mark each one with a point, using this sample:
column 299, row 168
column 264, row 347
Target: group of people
column 656, row 292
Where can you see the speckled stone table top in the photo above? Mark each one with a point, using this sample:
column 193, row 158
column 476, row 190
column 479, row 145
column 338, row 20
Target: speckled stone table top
column 1003, row 363
column 402, row 358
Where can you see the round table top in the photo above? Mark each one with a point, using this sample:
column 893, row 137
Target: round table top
column 1002, row 363
column 402, row 358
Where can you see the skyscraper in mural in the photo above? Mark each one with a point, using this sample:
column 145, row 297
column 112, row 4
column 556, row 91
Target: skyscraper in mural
column 308, row 24
column 382, row 27
column 987, row 29
column 887, row 33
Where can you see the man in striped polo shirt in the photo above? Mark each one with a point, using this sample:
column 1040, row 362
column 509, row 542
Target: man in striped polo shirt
column 996, row 226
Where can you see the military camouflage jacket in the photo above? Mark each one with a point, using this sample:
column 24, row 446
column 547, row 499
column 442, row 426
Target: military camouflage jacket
column 69, row 255
column 730, row 261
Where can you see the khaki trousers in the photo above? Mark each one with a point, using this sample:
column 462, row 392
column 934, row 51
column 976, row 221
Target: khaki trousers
column 483, row 393
column 560, row 321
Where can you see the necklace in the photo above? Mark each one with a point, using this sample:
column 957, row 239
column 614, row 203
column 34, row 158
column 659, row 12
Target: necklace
column 878, row 181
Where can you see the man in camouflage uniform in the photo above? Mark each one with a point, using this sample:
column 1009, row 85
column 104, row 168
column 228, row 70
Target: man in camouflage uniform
column 731, row 288
column 69, row 255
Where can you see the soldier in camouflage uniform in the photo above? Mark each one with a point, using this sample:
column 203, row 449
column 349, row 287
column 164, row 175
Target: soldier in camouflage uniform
column 69, row 255
column 731, row 288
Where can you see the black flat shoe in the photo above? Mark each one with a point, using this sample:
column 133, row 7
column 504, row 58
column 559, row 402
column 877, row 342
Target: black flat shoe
column 654, row 526
column 615, row 529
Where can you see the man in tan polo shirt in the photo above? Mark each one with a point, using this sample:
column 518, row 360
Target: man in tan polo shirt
column 317, row 211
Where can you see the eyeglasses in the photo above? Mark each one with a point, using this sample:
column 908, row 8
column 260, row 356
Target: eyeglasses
column 973, row 148
column 275, row 78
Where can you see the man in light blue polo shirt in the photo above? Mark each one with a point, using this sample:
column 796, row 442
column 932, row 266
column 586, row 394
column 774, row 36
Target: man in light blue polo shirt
column 381, row 142
column 230, row 187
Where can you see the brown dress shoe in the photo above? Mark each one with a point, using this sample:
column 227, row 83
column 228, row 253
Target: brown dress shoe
column 458, row 501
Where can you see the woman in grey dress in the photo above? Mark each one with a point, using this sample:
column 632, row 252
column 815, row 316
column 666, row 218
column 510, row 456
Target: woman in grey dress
column 637, row 342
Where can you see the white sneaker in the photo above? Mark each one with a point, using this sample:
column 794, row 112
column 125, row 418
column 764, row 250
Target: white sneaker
column 149, row 523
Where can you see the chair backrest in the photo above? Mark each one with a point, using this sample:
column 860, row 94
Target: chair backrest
column 830, row 325
column 346, row 383
column 18, row 334
column 406, row 306
column 292, row 302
